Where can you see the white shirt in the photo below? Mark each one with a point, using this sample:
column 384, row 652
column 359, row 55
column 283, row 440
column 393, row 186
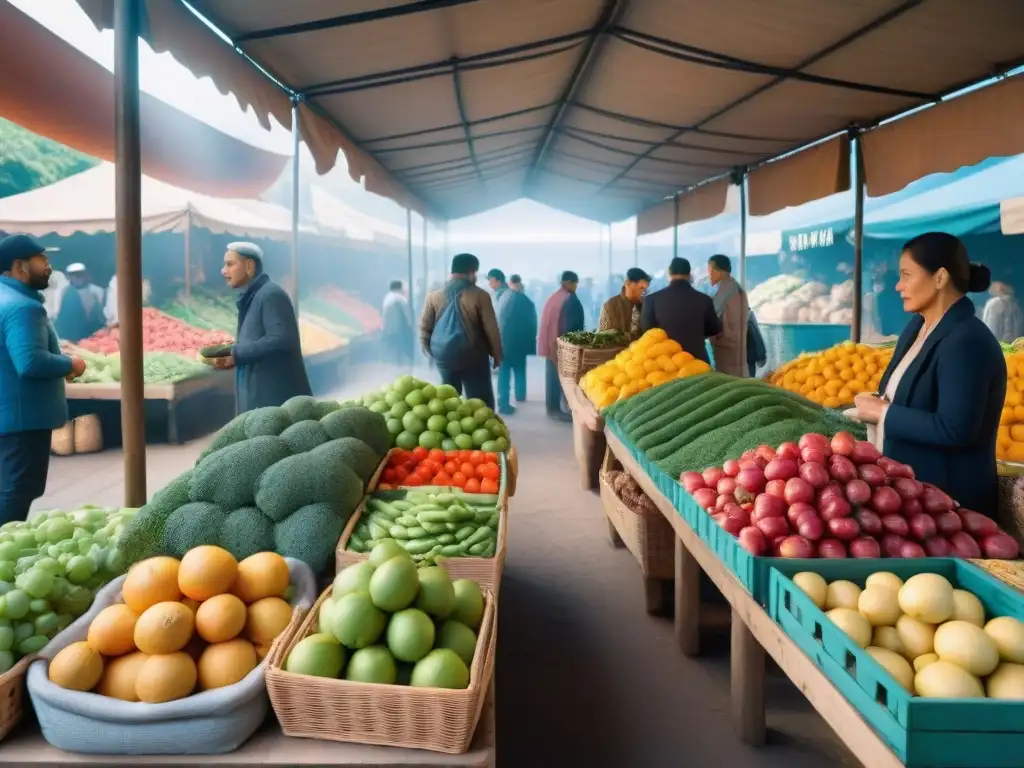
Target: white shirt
column 876, row 433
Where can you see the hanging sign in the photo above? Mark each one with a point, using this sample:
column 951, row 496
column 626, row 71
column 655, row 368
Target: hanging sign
column 815, row 238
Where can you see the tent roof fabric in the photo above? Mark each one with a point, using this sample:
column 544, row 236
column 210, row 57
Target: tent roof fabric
column 599, row 107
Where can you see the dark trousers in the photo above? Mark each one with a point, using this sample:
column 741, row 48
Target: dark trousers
column 507, row 371
column 554, row 397
column 24, row 463
column 473, row 380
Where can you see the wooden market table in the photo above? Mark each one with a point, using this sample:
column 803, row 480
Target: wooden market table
column 326, row 369
column 753, row 633
column 587, row 433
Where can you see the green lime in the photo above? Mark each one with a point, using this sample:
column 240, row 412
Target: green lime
column 437, row 423
column 453, row 428
column 407, row 441
column 395, row 426
column 463, row 441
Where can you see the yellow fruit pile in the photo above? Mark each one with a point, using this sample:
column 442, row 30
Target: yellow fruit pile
column 832, row 378
column 1010, row 443
column 202, row 622
column 649, row 361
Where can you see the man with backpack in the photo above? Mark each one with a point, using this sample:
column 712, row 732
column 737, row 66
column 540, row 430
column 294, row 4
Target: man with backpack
column 459, row 331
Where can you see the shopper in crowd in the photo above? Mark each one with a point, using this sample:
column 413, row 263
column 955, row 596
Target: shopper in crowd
column 757, row 352
column 267, row 354
column 81, row 307
column 496, row 279
column 397, row 335
column 517, row 320
column 942, row 394
column 562, row 313
column 459, row 331
column 729, row 347
column 110, row 309
column 32, row 374
column 622, row 313
column 1002, row 313
column 684, row 313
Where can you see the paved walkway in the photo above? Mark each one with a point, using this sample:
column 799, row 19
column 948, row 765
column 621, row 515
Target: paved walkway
column 584, row 676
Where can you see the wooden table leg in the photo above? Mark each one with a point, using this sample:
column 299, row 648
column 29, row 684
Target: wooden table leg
column 654, row 595
column 687, row 620
column 747, row 684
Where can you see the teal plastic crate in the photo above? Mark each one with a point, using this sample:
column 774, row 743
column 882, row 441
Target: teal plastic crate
column 924, row 733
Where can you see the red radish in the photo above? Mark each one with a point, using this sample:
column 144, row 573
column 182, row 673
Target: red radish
column 871, row 474
column 977, row 524
column 865, row 547
column 858, row 492
column 796, row 547
column 948, row 523
column 738, row 513
column 835, row 508
column 897, row 524
column 912, row 507
column 751, row 480
column 788, row 451
column 692, row 481
column 907, row 488
column 727, row 485
column 766, row 505
column 813, row 440
column 722, row 500
column 937, row 546
column 895, row 469
column 731, row 468
column 747, row 455
column 798, row 489
column 922, row 527
column 1000, row 546
column 712, row 475
column 719, row 517
column 732, row 525
column 870, row 523
column 811, row 528
column 935, row 501
column 815, row 474
column 964, row 545
column 886, row 501
column 831, row 548
column 752, row 540
column 912, row 549
column 776, row 488
column 892, row 545
column 777, row 546
column 865, row 453
column 766, row 452
column 830, row 491
column 749, row 464
column 795, row 511
column 844, row 528
column 773, row 527
column 813, row 455
column 781, row 469
column 842, row 469
column 705, row 497
column 843, row 444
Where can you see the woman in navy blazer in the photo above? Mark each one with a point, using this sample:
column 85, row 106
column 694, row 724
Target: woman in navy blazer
column 941, row 397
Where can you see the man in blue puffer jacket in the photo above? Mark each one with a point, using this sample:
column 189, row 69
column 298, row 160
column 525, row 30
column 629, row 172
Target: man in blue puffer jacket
column 32, row 373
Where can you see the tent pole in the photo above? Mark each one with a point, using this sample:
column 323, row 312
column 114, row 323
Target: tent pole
column 426, row 262
column 188, row 254
column 743, row 231
column 675, row 225
column 858, row 239
column 408, row 244
column 295, row 206
column 128, row 217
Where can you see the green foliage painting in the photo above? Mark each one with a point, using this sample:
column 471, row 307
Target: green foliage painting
column 28, row 161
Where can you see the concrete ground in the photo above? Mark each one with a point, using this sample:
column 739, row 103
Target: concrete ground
column 584, row 675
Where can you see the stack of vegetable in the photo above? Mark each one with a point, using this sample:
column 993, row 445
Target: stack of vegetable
column 699, row 422
column 927, row 623
column 274, row 479
column 649, row 361
column 832, row 378
column 401, row 625
column 430, row 526
column 157, row 367
column 420, row 414
column 839, row 497
column 472, row 471
column 50, row 570
column 160, row 333
column 596, row 339
column 1010, row 443
column 352, row 306
column 198, row 624
column 793, row 299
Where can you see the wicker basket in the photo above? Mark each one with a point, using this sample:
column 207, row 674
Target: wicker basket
column 88, row 434
column 1008, row 571
column 574, row 361
column 649, row 537
column 437, row 719
column 485, row 571
column 12, row 695
column 512, row 470
column 62, row 440
column 1010, row 507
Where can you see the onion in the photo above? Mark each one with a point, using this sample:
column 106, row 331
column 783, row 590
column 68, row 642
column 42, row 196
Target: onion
column 811, row 528
column 1000, row 546
column 777, row 546
column 692, row 481
column 731, row 525
column 731, row 468
column 871, row 474
column 858, row 492
column 749, row 464
column 834, row 508
column 748, row 454
column 772, row 527
column 814, row 440
column 886, row 501
column 788, row 451
column 712, row 475
column 977, row 524
column 912, row 507
column 893, row 468
column 865, row 547
column 937, row 546
column 752, row 540
column 922, row 527
column 912, row 549
column 894, row 523
column 892, row 545
column 798, row 489
column 964, row 545
column 870, row 523
column 844, row 528
column 813, row 455
column 781, row 469
column 935, row 501
column 705, row 497
column 843, row 444
column 766, row 505
column 751, row 480
column 865, row 453
column 722, row 500
column 796, row 547
column 815, row 474
column 720, row 518
column 907, row 488
column 830, row 491
column 831, row 548
column 727, row 485
column 766, row 452
column 795, row 511
column 776, row 488
column 736, row 512
column 842, row 469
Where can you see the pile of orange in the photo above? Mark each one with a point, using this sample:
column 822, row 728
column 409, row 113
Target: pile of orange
column 834, row 377
column 1010, row 443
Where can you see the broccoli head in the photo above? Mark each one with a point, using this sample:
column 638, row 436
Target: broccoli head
column 232, row 432
column 301, row 408
column 143, row 535
column 353, row 453
column 228, row 477
column 310, row 535
column 360, row 423
column 247, row 531
column 270, row 420
column 191, row 526
column 308, row 478
column 325, row 407
column 304, row 436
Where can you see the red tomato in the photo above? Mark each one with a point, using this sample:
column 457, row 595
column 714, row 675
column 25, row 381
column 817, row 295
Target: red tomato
column 464, row 455
column 389, row 475
column 437, row 466
column 451, row 467
column 419, row 453
column 468, row 469
column 410, row 464
column 413, row 480
column 401, row 473
column 425, row 471
column 491, row 456
column 472, row 485
column 442, row 478
column 437, row 455
column 477, row 457
column 490, row 471
column 487, row 485
column 453, row 455
column 459, row 480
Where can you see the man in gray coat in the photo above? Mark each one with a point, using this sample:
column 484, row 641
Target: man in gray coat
column 267, row 355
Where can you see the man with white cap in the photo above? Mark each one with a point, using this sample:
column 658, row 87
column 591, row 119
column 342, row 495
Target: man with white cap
column 81, row 307
column 267, row 353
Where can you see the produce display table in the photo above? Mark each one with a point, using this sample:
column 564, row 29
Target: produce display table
column 753, row 633
column 587, row 433
column 327, row 369
column 179, row 411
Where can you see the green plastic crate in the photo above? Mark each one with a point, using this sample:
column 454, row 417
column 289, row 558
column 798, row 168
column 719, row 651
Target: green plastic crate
column 924, row 733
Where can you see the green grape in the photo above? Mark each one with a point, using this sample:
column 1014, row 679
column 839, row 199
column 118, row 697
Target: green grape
column 64, row 621
column 26, row 563
column 32, row 644
column 48, row 564
column 39, row 536
column 9, row 550
column 6, row 661
column 66, row 558
column 23, row 631
column 25, row 539
column 46, row 624
column 76, row 602
column 80, row 569
column 6, row 638
column 51, row 551
column 80, row 533
column 59, row 589
column 59, row 529
column 36, row 583
column 84, row 545
column 16, row 604
column 39, row 606
column 68, row 547
column 115, row 562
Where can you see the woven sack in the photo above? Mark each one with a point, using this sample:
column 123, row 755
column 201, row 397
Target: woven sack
column 206, row 723
column 88, row 434
column 62, row 440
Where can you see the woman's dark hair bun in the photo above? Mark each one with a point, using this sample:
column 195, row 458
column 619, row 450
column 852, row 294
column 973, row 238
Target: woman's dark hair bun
column 979, row 279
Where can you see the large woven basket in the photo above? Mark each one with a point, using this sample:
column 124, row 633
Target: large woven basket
column 574, row 361
column 88, row 434
column 62, row 440
column 436, row 719
column 12, row 695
